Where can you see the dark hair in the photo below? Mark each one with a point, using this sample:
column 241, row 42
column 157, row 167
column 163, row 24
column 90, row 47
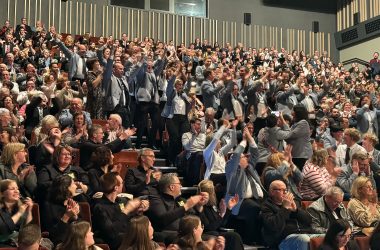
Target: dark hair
column 361, row 99
column 300, row 113
column 337, row 227
column 109, row 181
column 59, row 189
column 90, row 62
column 271, row 120
column 101, row 156
column 207, row 73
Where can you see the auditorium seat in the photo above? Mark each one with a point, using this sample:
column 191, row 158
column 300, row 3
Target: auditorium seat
column 100, row 122
column 127, row 158
column 85, row 211
column 36, row 214
column 316, row 242
column 363, row 242
column 103, row 246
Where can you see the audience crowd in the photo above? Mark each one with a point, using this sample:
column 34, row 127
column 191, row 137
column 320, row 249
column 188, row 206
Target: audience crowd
column 258, row 131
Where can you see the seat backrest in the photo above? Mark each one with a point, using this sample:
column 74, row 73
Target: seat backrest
column 316, row 242
column 125, row 159
column 363, row 242
column 100, row 122
column 75, row 160
column 36, row 214
column 85, row 211
column 103, row 246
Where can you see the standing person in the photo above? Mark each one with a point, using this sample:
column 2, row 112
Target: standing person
column 298, row 136
column 175, row 111
column 95, row 97
column 148, row 100
column 77, row 62
column 115, row 86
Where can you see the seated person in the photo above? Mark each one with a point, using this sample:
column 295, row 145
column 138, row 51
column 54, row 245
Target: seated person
column 168, row 207
column 338, row 236
column 62, row 166
column 375, row 238
column 215, row 217
column 243, row 180
column 139, row 235
column 66, row 117
column 95, row 139
column 29, row 237
column 101, row 163
column 13, row 212
column 280, row 167
column 78, row 132
column 143, row 179
column 114, row 128
column 79, row 237
column 191, row 232
column 45, row 150
column 363, row 207
column 284, row 224
column 111, row 218
column 194, row 143
column 316, row 177
column 327, row 210
column 13, row 166
column 359, row 166
column 61, row 207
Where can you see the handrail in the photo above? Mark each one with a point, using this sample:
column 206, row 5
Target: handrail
column 355, row 60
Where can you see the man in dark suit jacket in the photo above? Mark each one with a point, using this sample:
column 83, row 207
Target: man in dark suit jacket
column 25, row 26
column 34, row 113
column 96, row 134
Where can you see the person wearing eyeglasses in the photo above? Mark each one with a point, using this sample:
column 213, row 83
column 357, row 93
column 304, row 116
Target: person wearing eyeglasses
column 328, row 209
column 285, row 224
column 143, row 179
column 359, row 166
column 363, row 207
column 338, row 237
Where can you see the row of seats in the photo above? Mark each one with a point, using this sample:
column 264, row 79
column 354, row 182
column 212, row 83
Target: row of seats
column 362, row 241
column 85, row 215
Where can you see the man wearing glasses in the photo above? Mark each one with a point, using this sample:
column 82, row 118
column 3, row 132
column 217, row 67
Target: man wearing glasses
column 359, row 166
column 327, row 209
column 285, row 225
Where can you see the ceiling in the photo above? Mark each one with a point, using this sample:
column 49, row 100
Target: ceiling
column 321, row 6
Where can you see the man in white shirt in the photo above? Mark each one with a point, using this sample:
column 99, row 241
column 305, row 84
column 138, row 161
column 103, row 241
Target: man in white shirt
column 345, row 151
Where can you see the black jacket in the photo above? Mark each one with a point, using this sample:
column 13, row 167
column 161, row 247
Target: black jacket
column 134, row 183
column 109, row 221
column 279, row 222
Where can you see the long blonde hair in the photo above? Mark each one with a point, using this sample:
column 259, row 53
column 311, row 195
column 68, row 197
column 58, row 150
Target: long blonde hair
column 9, row 151
column 208, row 186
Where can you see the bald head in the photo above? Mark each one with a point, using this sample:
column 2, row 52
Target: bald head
column 276, row 184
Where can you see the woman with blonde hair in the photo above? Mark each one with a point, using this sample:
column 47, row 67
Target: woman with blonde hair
column 13, row 212
column 139, row 235
column 41, row 133
column 214, row 217
column 363, row 207
column 79, row 237
column 316, row 177
column 280, row 167
column 13, row 166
